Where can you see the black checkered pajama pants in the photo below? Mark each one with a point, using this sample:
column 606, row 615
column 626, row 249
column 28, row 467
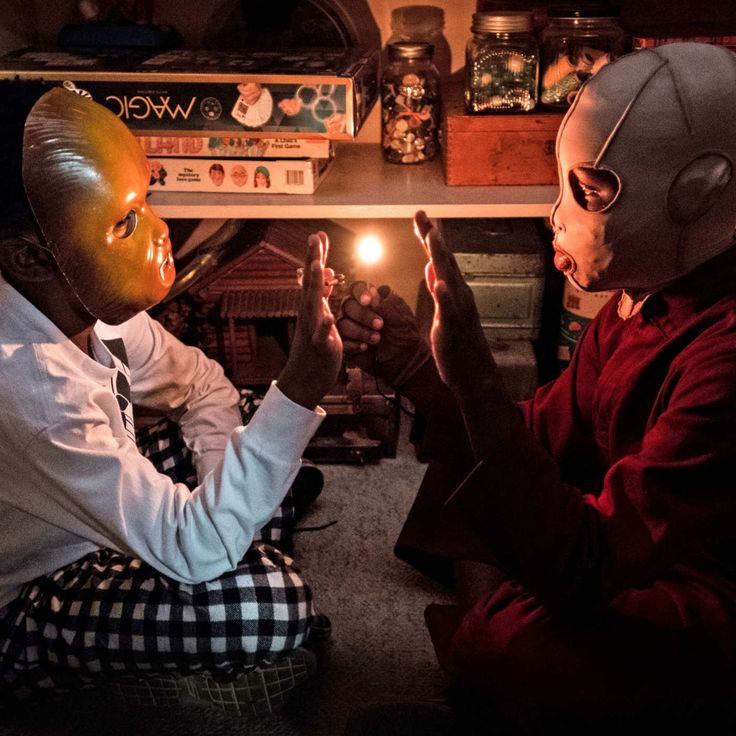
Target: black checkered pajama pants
column 109, row 614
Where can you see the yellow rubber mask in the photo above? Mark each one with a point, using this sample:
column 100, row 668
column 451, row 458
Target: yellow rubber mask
column 86, row 178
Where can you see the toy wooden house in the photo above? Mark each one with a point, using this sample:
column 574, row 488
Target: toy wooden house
column 252, row 301
column 240, row 307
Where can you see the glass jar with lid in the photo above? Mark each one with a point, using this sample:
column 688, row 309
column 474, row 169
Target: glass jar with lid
column 422, row 23
column 575, row 43
column 410, row 104
column 501, row 63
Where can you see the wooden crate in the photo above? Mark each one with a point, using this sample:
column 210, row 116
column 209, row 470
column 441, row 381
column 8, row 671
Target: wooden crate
column 500, row 149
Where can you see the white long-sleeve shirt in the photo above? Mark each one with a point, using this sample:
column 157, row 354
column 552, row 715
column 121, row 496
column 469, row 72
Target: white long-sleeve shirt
column 72, row 479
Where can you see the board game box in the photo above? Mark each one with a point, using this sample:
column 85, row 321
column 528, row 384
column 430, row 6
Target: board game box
column 314, row 93
column 251, row 176
column 197, row 146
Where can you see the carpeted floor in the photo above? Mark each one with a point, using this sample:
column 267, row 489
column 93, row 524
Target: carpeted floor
column 379, row 649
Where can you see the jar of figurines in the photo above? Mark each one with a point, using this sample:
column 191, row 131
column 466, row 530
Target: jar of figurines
column 576, row 42
column 410, row 104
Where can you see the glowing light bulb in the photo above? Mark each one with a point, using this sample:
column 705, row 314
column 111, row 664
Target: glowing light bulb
column 369, row 250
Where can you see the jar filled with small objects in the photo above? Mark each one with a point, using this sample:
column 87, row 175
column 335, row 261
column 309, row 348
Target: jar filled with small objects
column 501, row 63
column 410, row 104
column 576, row 42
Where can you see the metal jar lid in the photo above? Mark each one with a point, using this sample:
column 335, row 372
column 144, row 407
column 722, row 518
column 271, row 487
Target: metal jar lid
column 503, row 21
column 410, row 50
column 583, row 11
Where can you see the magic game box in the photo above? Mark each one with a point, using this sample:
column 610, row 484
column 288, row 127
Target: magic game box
column 314, row 93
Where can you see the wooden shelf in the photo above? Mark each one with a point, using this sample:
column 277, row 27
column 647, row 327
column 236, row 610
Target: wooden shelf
column 361, row 185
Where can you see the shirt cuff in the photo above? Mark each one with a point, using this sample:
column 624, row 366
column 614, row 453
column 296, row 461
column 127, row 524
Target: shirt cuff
column 281, row 422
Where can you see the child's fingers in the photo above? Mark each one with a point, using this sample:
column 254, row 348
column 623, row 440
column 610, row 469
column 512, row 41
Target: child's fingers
column 352, row 347
column 365, row 294
column 430, row 276
column 324, row 239
column 314, row 291
column 443, row 298
column 322, row 333
column 329, row 274
column 422, row 227
column 314, row 248
column 445, row 265
column 360, row 291
column 314, row 253
column 446, row 309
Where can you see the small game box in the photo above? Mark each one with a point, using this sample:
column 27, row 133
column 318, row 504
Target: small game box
column 197, row 146
column 314, row 93
column 242, row 176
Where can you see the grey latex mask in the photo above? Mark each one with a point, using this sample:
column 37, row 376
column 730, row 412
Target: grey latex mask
column 663, row 122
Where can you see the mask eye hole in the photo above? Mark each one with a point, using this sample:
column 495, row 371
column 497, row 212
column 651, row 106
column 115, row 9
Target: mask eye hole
column 125, row 227
column 593, row 189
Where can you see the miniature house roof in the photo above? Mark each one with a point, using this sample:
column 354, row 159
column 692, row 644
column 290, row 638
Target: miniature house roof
column 260, row 303
column 260, row 266
column 259, row 257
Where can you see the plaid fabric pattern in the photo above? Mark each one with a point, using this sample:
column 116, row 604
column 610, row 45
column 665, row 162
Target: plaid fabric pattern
column 164, row 446
column 108, row 614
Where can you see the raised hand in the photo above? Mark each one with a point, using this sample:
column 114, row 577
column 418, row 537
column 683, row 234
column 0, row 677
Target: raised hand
column 459, row 346
column 316, row 352
column 380, row 334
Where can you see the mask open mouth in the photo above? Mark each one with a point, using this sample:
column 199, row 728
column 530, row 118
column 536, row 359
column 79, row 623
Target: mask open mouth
column 564, row 263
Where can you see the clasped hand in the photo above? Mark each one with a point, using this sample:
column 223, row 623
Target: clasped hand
column 315, row 356
column 381, row 335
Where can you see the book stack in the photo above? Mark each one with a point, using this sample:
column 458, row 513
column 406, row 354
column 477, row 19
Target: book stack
column 224, row 121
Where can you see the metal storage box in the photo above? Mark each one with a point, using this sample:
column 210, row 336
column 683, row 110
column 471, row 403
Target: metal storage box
column 517, row 365
column 516, row 359
column 503, row 261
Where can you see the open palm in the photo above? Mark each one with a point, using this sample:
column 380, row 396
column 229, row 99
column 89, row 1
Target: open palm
column 316, row 352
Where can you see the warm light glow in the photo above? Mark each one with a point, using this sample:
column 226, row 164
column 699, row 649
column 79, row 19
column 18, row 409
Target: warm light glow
column 369, row 250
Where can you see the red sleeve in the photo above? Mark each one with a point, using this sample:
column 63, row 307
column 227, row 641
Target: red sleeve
column 671, row 499
column 437, row 528
column 559, row 413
